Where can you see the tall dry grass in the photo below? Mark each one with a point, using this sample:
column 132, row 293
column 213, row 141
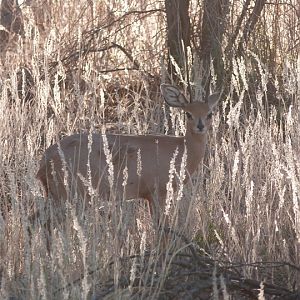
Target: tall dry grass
column 242, row 205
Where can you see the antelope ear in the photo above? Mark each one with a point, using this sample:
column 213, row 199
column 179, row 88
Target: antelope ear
column 173, row 95
column 213, row 100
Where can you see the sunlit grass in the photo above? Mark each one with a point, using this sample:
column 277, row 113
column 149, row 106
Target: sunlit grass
column 242, row 205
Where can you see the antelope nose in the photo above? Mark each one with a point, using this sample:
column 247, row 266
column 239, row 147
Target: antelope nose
column 200, row 125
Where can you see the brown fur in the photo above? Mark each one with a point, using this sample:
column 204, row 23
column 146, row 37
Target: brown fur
column 64, row 173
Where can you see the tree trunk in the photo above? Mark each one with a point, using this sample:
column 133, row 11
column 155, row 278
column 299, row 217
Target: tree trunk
column 213, row 27
column 178, row 31
column 251, row 22
column 11, row 16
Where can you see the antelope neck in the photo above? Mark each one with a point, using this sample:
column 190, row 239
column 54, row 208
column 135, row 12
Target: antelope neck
column 195, row 144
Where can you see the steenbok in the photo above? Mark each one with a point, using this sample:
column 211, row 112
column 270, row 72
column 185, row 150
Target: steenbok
column 131, row 166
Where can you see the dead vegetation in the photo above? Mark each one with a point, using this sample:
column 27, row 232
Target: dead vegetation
column 93, row 66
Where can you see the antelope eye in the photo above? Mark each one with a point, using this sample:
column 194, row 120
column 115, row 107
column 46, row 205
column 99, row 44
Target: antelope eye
column 189, row 116
column 209, row 116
